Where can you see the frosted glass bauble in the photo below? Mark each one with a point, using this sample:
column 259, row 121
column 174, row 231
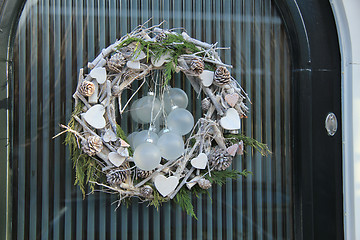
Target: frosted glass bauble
column 171, row 145
column 131, row 137
column 133, row 111
column 174, row 97
column 147, row 156
column 164, row 130
column 145, row 136
column 180, row 120
column 148, row 108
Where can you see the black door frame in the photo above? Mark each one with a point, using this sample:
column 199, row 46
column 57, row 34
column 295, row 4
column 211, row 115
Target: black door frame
column 316, row 91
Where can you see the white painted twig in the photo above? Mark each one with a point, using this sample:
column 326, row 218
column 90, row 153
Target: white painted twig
column 169, row 163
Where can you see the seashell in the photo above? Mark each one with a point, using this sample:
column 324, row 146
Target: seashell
column 86, row 88
column 146, row 191
column 204, row 183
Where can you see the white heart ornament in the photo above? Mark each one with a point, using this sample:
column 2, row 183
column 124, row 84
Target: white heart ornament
column 207, row 78
column 109, row 136
column 94, row 116
column 133, row 64
column 159, row 62
column 124, row 152
column 232, row 99
column 231, row 121
column 116, row 158
column 123, row 143
column 200, row 161
column 138, row 56
column 166, row 185
column 99, row 74
column 232, row 149
column 240, row 150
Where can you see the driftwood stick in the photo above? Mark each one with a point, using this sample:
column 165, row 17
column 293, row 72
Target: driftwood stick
column 172, row 195
column 126, row 83
column 115, row 189
column 81, row 97
column 217, row 63
column 193, row 81
column 187, row 157
column 93, row 133
column 132, row 96
column 195, row 41
column 212, row 97
column 154, row 173
column 104, row 53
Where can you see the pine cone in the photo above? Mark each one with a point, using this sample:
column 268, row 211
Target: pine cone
column 146, row 191
column 116, row 62
column 92, row 145
column 86, row 88
column 197, row 66
column 117, row 176
column 143, row 174
column 205, row 104
column 220, row 159
column 204, row 183
column 161, row 36
column 221, row 76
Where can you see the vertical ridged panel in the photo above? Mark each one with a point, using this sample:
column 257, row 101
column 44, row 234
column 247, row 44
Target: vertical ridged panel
column 56, row 38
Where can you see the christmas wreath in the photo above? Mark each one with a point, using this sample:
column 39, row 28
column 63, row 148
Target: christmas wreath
column 185, row 157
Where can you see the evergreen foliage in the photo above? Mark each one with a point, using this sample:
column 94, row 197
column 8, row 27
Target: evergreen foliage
column 260, row 147
column 86, row 168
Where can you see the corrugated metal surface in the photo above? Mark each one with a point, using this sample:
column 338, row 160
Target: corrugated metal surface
column 57, row 37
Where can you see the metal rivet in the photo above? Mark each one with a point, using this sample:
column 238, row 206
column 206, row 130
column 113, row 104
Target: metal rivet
column 331, row 124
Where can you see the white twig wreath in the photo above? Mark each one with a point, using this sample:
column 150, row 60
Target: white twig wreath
column 152, row 165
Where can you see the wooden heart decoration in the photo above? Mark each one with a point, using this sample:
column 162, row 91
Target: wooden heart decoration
column 165, row 185
column 109, row 136
column 124, row 144
column 240, row 150
column 122, row 151
column 95, row 116
column 138, row 56
column 200, row 161
column 133, row 64
column 232, row 99
column 116, row 158
column 232, row 149
column 99, row 74
column 207, row 78
column 231, row 121
column 159, row 62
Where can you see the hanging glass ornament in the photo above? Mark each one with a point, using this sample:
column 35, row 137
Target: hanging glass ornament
column 148, row 108
column 171, row 145
column 133, row 112
column 145, row 136
column 131, row 137
column 174, row 97
column 147, row 156
column 180, row 120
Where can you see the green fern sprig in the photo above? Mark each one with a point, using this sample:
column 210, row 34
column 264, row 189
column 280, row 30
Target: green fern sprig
column 258, row 146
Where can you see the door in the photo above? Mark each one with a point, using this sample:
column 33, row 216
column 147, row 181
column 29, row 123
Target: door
column 275, row 59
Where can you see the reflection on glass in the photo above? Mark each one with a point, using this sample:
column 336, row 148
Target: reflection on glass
column 56, row 38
